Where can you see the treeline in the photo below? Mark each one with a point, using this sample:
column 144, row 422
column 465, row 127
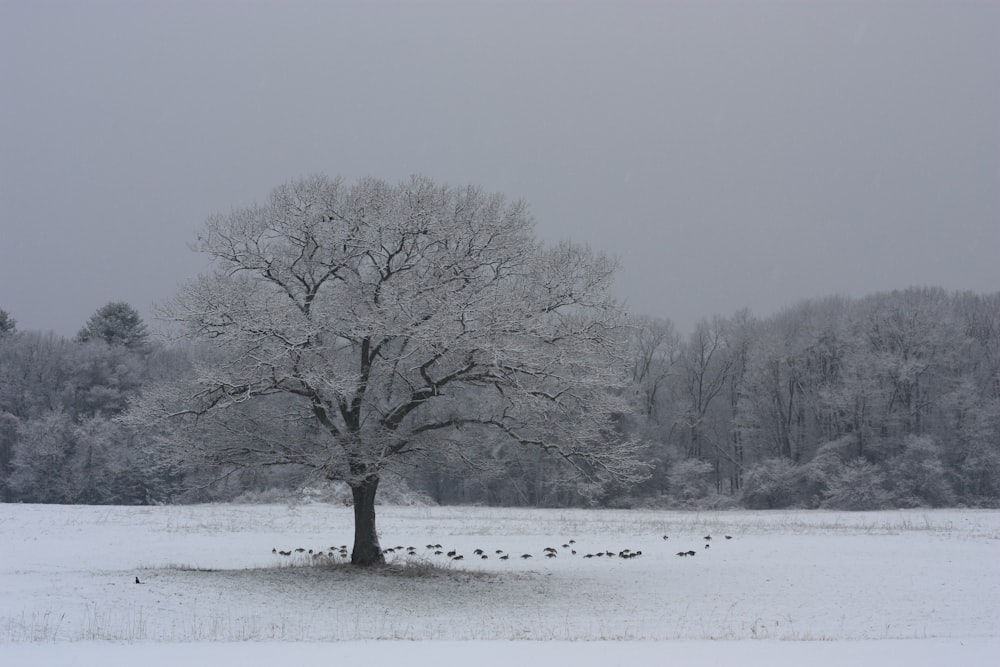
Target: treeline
column 59, row 442
column 892, row 400
column 887, row 401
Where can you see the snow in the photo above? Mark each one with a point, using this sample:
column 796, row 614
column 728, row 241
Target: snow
column 912, row 653
column 902, row 587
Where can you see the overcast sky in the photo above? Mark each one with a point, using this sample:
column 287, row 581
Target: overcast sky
column 731, row 154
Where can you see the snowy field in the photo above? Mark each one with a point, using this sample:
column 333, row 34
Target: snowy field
column 817, row 588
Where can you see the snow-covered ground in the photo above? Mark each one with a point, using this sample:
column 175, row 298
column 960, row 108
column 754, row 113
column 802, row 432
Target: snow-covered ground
column 907, row 587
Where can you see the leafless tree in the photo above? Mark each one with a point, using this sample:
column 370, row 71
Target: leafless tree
column 395, row 320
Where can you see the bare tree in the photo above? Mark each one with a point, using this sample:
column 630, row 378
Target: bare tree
column 655, row 350
column 395, row 321
column 705, row 367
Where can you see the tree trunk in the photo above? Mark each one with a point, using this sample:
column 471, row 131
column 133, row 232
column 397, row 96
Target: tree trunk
column 366, row 551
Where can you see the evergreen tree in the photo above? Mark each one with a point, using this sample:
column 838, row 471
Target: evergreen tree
column 117, row 324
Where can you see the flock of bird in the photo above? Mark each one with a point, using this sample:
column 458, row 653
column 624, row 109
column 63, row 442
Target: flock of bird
column 341, row 552
column 691, row 552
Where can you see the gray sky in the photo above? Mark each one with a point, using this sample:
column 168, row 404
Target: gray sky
column 731, row 154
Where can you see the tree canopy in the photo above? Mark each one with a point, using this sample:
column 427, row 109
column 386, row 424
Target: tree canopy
column 117, row 324
column 8, row 325
column 395, row 322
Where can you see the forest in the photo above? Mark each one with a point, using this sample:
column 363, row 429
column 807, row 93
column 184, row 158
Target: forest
column 891, row 400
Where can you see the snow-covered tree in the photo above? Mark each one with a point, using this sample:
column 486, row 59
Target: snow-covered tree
column 8, row 325
column 117, row 324
column 390, row 321
column 655, row 350
column 705, row 367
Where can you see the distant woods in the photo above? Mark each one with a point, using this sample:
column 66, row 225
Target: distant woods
column 892, row 400
column 58, row 399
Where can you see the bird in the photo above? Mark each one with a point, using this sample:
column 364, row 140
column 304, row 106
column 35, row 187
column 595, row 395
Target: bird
column 708, row 537
column 692, row 552
column 137, row 580
column 451, row 554
column 729, row 537
column 499, row 551
column 551, row 554
column 666, row 537
column 707, row 545
column 479, row 552
column 682, row 553
column 505, row 557
column 458, row 557
column 589, row 556
column 525, row 556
